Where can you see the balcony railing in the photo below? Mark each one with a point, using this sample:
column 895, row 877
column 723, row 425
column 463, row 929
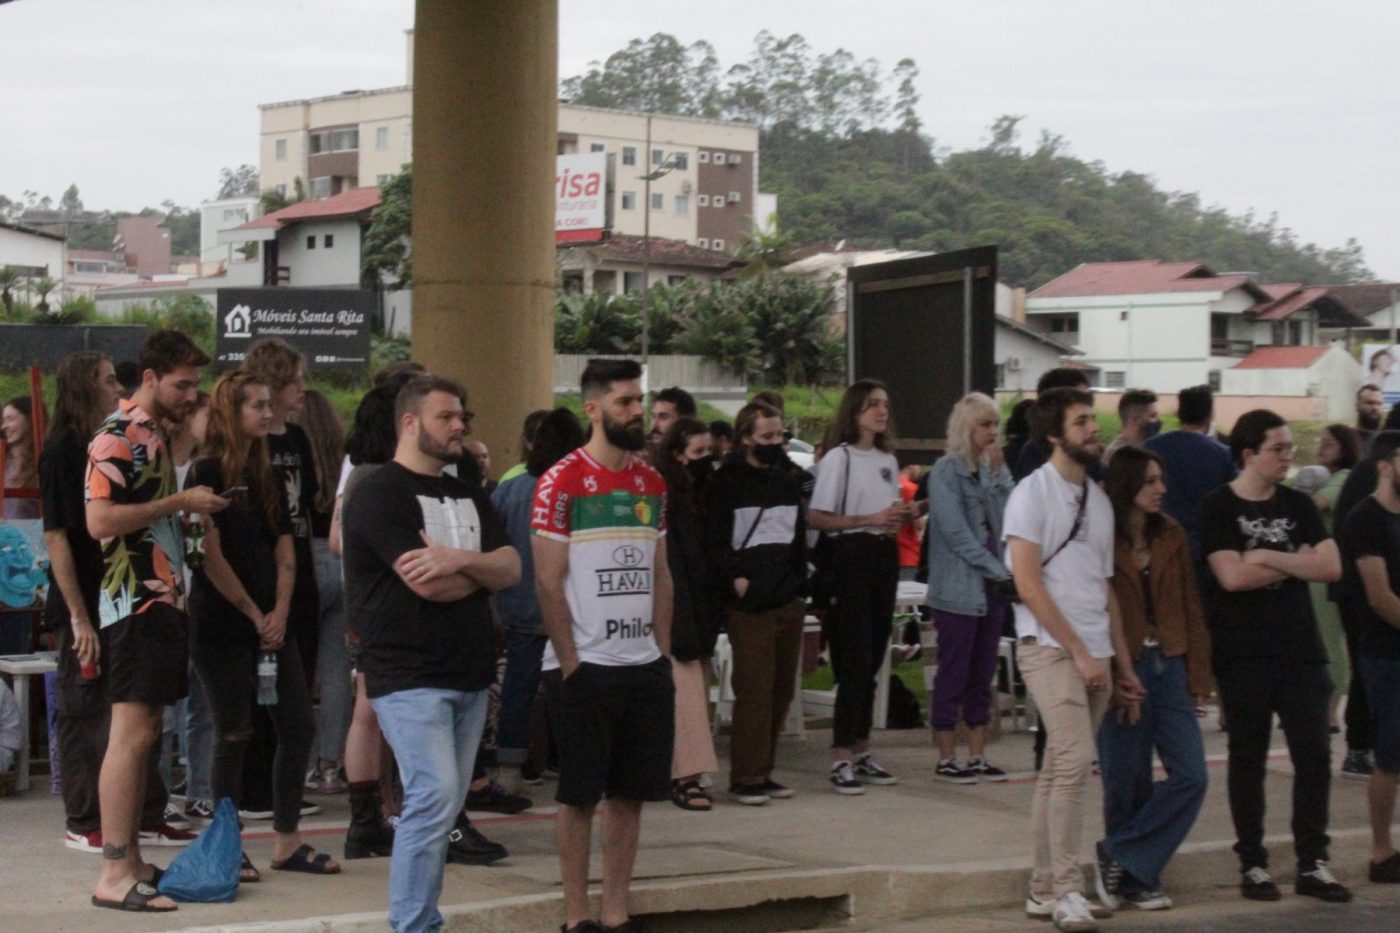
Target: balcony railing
column 1220, row 346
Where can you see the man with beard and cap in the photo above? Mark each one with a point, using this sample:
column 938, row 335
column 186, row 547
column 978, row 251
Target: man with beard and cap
column 423, row 551
column 1370, row 405
column 666, row 406
column 606, row 598
column 1058, row 528
column 134, row 510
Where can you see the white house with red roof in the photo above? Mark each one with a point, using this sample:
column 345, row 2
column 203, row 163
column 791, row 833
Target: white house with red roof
column 311, row 243
column 1327, row 371
column 1168, row 325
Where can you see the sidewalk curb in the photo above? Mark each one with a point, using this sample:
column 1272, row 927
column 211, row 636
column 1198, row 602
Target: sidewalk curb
column 875, row 894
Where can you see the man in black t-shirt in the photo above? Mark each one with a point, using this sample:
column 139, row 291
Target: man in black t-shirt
column 1265, row 542
column 422, row 551
column 1371, row 582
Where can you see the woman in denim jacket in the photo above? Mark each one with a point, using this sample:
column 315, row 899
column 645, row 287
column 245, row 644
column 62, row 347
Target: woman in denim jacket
column 968, row 489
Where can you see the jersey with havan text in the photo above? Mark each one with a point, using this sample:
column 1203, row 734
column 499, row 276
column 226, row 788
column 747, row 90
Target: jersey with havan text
column 611, row 521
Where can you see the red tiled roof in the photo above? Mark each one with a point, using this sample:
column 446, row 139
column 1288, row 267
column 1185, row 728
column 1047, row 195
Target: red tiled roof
column 346, row 204
column 1141, row 277
column 1287, row 299
column 623, row 247
column 1282, row 358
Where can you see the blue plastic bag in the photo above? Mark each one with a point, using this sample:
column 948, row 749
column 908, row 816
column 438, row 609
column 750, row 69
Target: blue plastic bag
column 206, row 871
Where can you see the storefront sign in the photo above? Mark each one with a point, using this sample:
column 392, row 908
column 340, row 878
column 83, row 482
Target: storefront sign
column 330, row 326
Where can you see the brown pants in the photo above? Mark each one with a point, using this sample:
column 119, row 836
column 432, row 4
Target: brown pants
column 766, row 648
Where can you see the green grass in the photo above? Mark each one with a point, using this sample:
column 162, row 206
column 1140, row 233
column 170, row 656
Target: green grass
column 911, row 672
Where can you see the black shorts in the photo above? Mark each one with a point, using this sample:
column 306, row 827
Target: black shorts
column 146, row 657
column 615, row 727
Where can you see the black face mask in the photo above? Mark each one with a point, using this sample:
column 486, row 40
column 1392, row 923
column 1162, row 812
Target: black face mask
column 1152, row 429
column 700, row 468
column 768, row 454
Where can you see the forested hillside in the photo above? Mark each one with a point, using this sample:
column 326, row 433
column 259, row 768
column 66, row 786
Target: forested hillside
column 844, row 150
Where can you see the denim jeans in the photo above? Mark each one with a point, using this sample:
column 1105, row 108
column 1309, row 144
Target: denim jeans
column 434, row 734
column 1145, row 822
column 191, row 720
column 524, row 654
column 332, row 657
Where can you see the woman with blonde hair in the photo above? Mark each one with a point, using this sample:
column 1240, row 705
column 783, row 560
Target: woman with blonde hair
column 967, row 492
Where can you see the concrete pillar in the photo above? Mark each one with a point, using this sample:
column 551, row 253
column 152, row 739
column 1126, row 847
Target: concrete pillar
column 485, row 93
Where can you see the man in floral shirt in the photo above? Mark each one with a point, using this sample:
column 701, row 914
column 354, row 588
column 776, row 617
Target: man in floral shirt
column 133, row 510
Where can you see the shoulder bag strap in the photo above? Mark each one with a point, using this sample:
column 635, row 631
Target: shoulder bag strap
column 1074, row 530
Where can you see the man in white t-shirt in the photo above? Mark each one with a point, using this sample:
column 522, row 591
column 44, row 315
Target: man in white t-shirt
column 1058, row 528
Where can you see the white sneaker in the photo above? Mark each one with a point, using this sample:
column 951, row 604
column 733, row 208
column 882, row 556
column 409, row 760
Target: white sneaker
column 843, row 779
column 1073, row 914
column 1148, row 900
column 1039, row 910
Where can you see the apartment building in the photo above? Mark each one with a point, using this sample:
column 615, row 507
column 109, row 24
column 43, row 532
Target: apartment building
column 706, row 194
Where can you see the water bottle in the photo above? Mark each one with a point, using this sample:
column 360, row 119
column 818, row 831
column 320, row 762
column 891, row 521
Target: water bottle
column 267, row 678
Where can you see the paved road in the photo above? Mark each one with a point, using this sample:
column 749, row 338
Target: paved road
column 1376, row 908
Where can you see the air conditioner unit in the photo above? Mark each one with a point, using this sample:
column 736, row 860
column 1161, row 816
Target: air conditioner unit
column 1013, row 364
column 733, row 197
column 687, row 186
column 735, row 158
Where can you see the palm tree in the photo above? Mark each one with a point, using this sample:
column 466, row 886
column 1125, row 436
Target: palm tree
column 42, row 288
column 9, row 281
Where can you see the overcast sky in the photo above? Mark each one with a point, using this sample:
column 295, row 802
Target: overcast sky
column 1272, row 105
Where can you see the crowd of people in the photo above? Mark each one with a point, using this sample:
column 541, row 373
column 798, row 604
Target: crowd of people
column 234, row 575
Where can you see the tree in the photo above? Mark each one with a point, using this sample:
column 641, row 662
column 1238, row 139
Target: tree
column 241, row 182
column 41, row 288
column 385, row 256
column 9, row 281
column 70, row 204
column 658, row 75
column 273, row 200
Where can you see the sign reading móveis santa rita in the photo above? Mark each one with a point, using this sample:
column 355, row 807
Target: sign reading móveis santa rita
column 330, row 326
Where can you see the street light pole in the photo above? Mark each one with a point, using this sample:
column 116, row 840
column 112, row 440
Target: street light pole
column 664, row 168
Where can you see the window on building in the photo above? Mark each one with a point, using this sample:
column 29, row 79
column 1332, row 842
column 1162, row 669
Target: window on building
column 704, row 157
column 703, row 242
column 658, row 200
column 717, row 243
column 629, row 200
column 595, row 147
column 631, row 282
column 321, row 187
column 279, row 150
column 717, row 201
column 1213, row 379
column 1064, row 327
column 657, row 156
column 382, row 180
column 717, row 158
column 704, row 200
column 681, row 160
column 682, row 204
column 328, row 240
column 1295, row 333
column 347, row 140
column 311, row 242
column 629, row 155
column 1115, row 379
column 381, row 138
column 281, row 191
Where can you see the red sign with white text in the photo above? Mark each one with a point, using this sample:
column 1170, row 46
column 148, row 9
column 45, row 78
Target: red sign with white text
column 580, row 197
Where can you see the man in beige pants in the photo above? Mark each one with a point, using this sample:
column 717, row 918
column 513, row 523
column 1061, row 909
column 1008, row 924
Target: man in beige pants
column 1058, row 528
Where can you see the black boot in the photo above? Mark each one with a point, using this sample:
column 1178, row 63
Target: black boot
column 368, row 834
column 467, row 846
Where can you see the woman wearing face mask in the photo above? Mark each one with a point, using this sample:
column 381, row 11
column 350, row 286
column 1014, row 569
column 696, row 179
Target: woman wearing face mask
column 756, row 539
column 683, row 459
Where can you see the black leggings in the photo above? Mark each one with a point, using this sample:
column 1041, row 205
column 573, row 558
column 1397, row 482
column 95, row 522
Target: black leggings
column 228, row 671
column 866, row 569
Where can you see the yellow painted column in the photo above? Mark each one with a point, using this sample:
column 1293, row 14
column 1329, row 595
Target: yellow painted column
column 485, row 116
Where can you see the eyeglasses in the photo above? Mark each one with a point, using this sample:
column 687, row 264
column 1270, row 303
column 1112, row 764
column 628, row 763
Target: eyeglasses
column 1282, row 450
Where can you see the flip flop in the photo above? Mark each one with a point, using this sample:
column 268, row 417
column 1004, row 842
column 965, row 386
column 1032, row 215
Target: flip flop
column 247, row 865
column 137, row 900
column 298, row 861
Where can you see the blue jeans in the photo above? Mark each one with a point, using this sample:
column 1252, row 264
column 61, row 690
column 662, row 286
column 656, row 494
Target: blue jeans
column 524, row 654
column 332, row 657
column 434, row 735
column 1145, row 822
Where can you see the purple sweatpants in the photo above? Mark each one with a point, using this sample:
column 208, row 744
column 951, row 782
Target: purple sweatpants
column 967, row 659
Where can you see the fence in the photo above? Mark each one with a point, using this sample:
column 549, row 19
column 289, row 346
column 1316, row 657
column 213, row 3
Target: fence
column 45, row 345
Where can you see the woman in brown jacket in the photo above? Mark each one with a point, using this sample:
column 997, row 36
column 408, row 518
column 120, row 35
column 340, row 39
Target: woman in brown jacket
column 1155, row 586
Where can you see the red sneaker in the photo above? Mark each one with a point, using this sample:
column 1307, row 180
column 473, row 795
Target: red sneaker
column 165, row 835
column 84, row 842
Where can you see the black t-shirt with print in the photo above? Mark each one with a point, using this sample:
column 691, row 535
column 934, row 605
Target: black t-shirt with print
column 1274, row 621
column 62, row 465
column 407, row 642
column 1371, row 530
column 292, row 458
column 250, row 548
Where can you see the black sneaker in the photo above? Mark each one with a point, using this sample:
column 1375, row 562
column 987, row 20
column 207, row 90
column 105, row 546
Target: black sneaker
column 984, row 770
column 1257, row 885
column 1108, row 877
column 949, row 770
column 1357, row 764
column 175, row 818
column 200, row 809
column 1321, row 884
column 843, row 779
column 466, row 846
column 750, row 795
column 630, row 925
column 775, row 790
column 1387, row 871
column 583, row 926
column 868, row 771
column 493, row 798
